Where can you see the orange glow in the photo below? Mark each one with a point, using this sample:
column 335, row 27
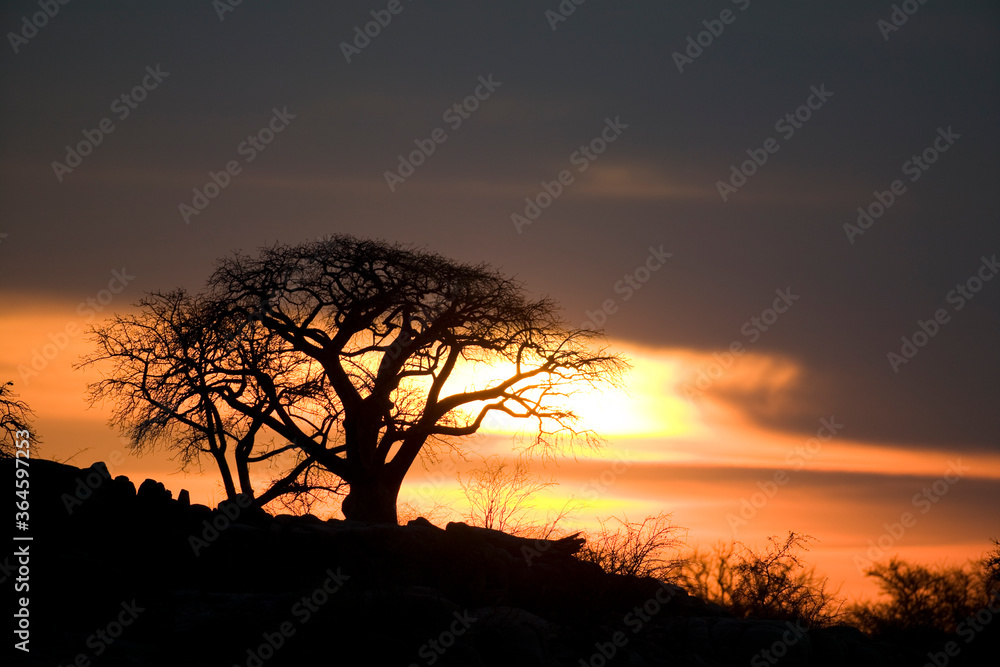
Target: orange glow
column 641, row 407
column 668, row 449
column 635, row 180
column 42, row 341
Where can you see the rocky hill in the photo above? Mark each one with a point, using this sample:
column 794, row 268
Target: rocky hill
column 126, row 576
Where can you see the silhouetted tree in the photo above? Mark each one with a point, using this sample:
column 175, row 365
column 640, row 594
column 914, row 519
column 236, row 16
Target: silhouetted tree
column 921, row 599
column 15, row 415
column 503, row 496
column 991, row 568
column 344, row 349
column 174, row 367
column 771, row 584
column 776, row 584
column 500, row 494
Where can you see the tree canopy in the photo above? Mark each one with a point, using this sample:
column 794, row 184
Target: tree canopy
column 345, row 350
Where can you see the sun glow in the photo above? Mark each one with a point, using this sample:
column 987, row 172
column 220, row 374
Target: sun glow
column 654, row 398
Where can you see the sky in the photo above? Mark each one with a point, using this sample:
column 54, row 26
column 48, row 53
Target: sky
column 782, row 213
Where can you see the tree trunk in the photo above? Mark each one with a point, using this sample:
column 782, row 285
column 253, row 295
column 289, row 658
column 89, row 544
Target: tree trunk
column 227, row 475
column 372, row 500
column 243, row 472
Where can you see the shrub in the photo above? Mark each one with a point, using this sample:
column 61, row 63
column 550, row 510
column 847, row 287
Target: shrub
column 644, row 548
column 772, row 584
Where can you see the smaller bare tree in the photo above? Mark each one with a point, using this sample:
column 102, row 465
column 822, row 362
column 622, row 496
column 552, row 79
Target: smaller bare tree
column 501, row 495
column 172, row 370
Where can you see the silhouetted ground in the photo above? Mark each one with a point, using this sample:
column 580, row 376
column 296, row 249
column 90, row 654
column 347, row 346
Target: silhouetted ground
column 125, row 578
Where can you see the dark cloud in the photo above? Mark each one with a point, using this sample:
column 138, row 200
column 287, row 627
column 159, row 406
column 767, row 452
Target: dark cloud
column 656, row 184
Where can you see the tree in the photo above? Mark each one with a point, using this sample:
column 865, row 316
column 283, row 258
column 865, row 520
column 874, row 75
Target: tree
column 500, row 495
column 344, row 348
column 770, row 584
column 15, row 415
column 775, row 584
column 991, row 569
column 922, row 599
column 173, row 368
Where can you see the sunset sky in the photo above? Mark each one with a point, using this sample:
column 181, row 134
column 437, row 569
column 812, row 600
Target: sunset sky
column 697, row 199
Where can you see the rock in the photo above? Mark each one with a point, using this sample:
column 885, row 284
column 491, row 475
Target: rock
column 123, row 486
column 101, row 468
column 421, row 522
column 153, row 493
column 519, row 546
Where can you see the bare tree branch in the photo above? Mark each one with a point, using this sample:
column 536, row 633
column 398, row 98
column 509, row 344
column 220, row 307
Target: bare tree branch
column 346, row 349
